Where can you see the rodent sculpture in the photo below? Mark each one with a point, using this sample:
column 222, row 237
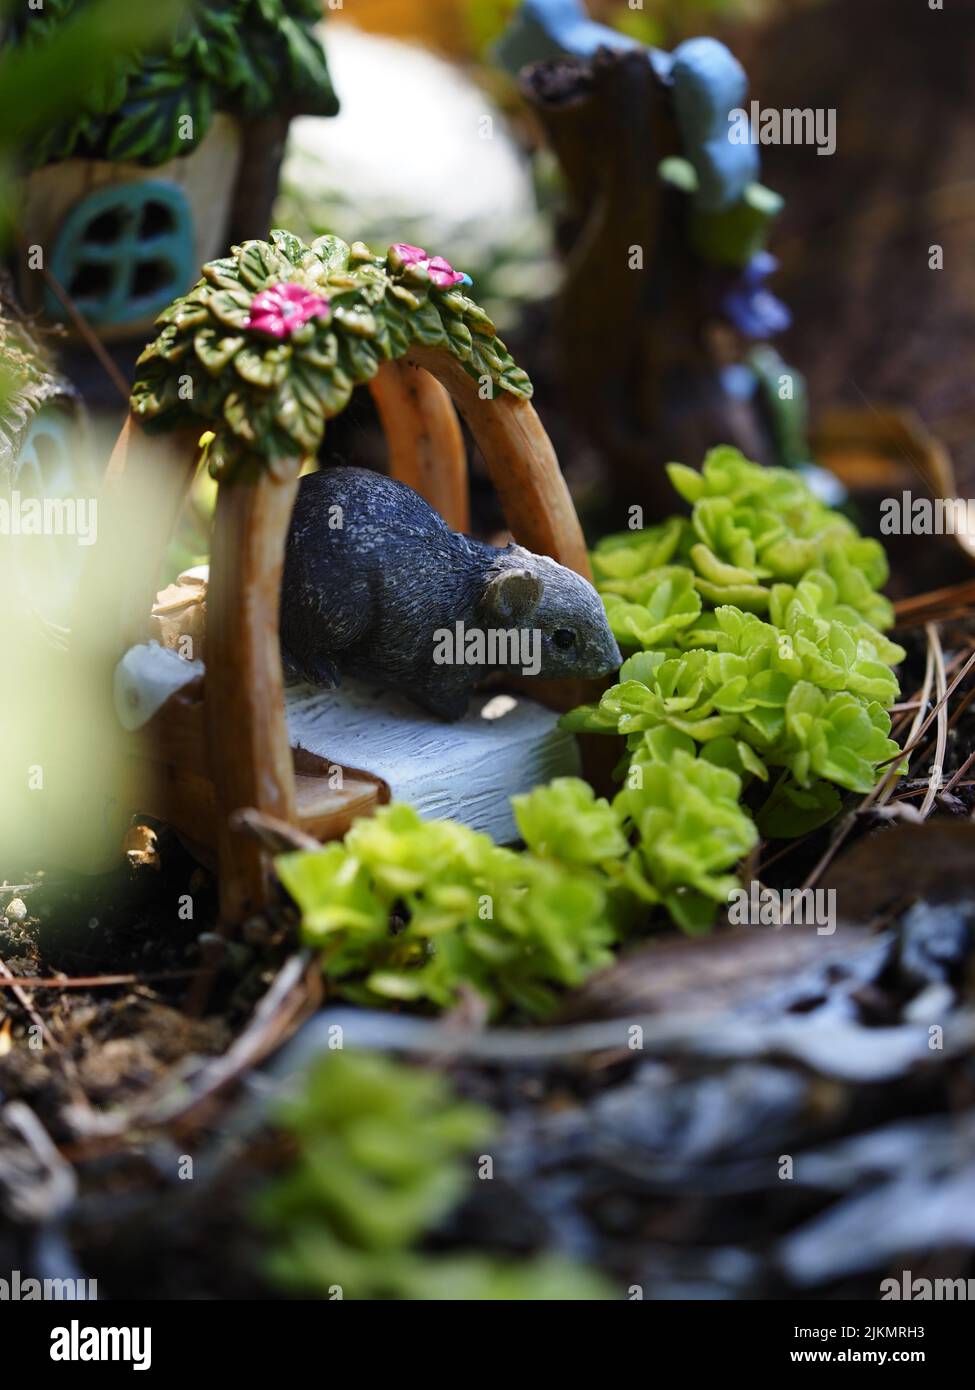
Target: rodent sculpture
column 377, row 586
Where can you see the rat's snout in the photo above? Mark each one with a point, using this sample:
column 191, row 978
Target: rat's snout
column 601, row 655
column 611, row 657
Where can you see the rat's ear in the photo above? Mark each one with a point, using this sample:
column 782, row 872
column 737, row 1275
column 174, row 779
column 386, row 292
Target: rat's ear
column 513, row 595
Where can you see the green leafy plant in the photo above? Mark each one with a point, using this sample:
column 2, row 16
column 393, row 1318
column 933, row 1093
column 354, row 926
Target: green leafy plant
column 384, row 1152
column 805, row 688
column 464, row 910
column 689, row 828
column 234, row 55
column 751, row 525
column 266, row 393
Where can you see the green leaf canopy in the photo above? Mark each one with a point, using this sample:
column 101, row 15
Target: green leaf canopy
column 267, row 399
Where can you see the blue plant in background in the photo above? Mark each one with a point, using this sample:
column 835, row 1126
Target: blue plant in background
column 546, row 29
column 750, row 306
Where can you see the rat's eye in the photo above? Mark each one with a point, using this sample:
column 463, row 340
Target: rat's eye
column 564, row 637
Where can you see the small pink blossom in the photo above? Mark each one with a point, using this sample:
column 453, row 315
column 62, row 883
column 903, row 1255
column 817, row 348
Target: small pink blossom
column 409, row 255
column 283, row 308
column 440, row 271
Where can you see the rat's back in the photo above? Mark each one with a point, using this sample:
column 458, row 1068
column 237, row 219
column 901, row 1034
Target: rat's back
column 366, row 556
column 356, row 509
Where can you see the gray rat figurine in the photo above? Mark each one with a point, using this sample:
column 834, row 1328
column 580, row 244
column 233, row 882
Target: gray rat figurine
column 376, row 585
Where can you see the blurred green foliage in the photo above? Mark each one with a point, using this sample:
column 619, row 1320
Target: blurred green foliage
column 384, row 1153
column 213, row 54
column 50, row 80
column 52, row 77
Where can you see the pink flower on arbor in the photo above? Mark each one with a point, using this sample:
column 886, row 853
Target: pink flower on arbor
column 409, row 255
column 283, row 308
column 440, row 271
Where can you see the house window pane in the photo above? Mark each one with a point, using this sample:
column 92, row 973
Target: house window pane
column 124, row 252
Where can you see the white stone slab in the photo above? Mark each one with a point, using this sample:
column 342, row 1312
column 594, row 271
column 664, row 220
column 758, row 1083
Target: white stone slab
column 468, row 770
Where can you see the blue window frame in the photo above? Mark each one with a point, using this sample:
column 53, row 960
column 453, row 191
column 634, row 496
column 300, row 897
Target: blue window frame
column 124, row 251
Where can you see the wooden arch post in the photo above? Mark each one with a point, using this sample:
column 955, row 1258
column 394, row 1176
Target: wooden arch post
column 416, row 395
column 423, row 439
column 520, row 459
column 247, row 731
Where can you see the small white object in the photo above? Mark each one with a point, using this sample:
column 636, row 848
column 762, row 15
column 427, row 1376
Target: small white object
column 198, row 575
column 16, row 910
column 498, row 706
column 144, row 680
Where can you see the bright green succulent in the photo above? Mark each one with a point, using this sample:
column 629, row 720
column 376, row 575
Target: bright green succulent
column 750, row 525
column 754, row 534
column 384, row 1153
column 467, row 912
column 689, row 826
column 804, row 687
column 840, row 591
column 757, row 662
column 838, row 737
column 566, row 821
column 655, row 609
column 745, row 690
column 753, row 526
column 632, row 554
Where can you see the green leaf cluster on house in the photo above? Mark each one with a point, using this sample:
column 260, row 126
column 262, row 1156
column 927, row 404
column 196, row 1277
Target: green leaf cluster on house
column 268, row 400
column 251, row 58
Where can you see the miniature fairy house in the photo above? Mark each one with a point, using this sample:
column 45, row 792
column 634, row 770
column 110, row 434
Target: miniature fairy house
column 123, row 201
column 274, row 339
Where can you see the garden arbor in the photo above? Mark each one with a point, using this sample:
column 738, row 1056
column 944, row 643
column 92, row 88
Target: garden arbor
column 247, row 368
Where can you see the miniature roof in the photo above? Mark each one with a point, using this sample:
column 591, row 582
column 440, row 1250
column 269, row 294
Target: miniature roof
column 249, row 57
column 27, row 382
